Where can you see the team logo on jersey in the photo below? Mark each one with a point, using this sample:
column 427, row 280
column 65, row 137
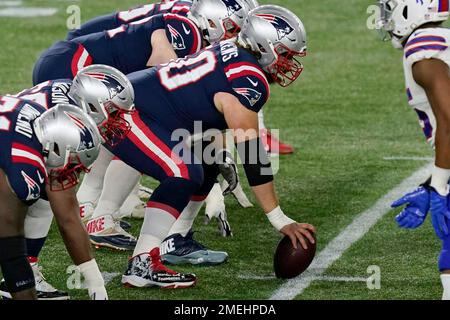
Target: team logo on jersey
column 114, row 86
column 34, row 191
column 86, row 137
column 283, row 28
column 251, row 95
column 233, row 7
column 177, row 38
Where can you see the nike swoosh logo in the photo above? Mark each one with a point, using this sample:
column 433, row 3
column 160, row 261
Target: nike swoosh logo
column 41, row 180
column 255, row 84
column 187, row 31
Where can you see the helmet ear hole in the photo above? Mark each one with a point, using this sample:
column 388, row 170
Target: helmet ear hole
column 56, row 149
column 405, row 13
column 92, row 107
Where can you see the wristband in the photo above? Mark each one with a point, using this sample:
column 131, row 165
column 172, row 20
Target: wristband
column 278, row 219
column 439, row 180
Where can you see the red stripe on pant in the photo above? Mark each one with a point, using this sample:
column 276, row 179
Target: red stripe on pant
column 76, row 60
column 158, row 205
column 161, row 145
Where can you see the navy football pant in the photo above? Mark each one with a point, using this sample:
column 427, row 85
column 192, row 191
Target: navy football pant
column 61, row 61
column 148, row 149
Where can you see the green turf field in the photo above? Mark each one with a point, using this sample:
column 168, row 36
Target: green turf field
column 345, row 114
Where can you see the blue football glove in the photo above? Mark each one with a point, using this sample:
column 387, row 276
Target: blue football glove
column 440, row 215
column 416, row 210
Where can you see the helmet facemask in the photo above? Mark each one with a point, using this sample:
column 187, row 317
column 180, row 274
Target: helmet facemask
column 68, row 176
column 287, row 67
column 385, row 25
column 115, row 128
column 231, row 29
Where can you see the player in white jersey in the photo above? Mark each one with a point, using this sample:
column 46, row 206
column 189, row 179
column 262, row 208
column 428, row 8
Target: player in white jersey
column 415, row 27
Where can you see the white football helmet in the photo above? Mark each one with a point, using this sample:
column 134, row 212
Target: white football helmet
column 71, row 143
column 220, row 19
column 277, row 38
column 399, row 18
column 106, row 95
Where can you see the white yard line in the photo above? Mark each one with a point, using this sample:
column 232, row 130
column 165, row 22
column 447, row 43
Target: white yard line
column 22, row 12
column 11, row 3
column 351, row 234
column 408, row 158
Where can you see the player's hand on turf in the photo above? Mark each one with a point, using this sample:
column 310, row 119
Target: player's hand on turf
column 416, row 209
column 440, row 215
column 98, row 293
column 228, row 170
column 298, row 232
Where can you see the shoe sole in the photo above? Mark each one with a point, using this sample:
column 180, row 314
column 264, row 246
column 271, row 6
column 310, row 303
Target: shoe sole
column 175, row 260
column 99, row 245
column 138, row 282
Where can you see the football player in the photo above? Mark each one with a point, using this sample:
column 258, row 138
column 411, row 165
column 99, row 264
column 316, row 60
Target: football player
column 42, row 154
column 129, row 49
column 415, row 28
column 105, row 95
column 117, row 19
column 223, row 87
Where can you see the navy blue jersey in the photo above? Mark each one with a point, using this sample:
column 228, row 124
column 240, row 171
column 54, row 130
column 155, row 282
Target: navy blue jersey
column 181, row 92
column 21, row 152
column 48, row 94
column 115, row 20
column 128, row 47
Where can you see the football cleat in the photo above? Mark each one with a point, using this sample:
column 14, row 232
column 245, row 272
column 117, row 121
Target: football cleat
column 273, row 145
column 105, row 232
column 147, row 270
column 86, row 211
column 44, row 290
column 177, row 249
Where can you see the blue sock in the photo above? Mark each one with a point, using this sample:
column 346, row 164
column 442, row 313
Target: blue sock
column 34, row 246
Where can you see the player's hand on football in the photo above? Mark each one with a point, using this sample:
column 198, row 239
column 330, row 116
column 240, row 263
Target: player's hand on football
column 298, row 232
column 416, row 209
column 440, row 214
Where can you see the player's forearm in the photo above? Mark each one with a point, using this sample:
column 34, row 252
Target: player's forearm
column 266, row 196
column 76, row 240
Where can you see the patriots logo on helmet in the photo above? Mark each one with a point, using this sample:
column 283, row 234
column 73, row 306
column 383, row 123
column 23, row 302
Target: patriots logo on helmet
column 232, row 7
column 177, row 39
column 34, row 191
column 283, row 28
column 114, row 86
column 251, row 95
column 86, row 138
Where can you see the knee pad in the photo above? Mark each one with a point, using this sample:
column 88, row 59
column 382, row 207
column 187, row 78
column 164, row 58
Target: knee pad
column 15, row 266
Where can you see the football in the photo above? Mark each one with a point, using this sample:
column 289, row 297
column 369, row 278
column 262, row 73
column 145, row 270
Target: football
column 289, row 262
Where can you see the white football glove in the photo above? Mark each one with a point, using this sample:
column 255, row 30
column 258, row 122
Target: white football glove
column 215, row 208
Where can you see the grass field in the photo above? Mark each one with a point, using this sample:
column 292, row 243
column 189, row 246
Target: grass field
column 346, row 113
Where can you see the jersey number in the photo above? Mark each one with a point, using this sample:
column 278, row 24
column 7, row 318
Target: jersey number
column 7, row 104
column 181, row 72
column 133, row 14
column 34, row 94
